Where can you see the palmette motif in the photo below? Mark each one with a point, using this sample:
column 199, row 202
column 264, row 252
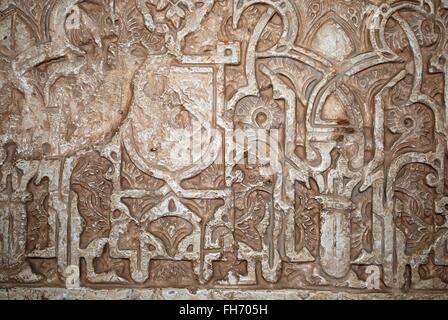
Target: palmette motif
column 101, row 172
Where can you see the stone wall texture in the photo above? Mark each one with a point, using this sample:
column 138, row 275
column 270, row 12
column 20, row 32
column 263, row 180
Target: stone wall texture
column 292, row 149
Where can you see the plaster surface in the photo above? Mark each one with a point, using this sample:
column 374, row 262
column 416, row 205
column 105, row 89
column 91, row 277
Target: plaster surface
column 223, row 149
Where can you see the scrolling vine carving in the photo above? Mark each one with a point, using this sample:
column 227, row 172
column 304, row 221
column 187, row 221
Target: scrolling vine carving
column 102, row 103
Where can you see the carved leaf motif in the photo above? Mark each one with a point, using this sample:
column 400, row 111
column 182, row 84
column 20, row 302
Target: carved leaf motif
column 307, row 218
column 246, row 226
column 139, row 206
column 396, row 38
column 171, row 230
column 414, row 124
column 210, row 178
column 204, row 208
column 309, row 222
column 418, row 234
column 361, row 224
column 414, row 208
column 94, row 191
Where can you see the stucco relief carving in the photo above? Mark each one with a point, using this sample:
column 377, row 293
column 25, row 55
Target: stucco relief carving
column 216, row 144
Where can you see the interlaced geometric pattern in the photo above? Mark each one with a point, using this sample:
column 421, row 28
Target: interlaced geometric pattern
column 221, row 146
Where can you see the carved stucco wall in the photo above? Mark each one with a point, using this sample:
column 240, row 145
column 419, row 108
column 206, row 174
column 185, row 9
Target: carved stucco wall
column 350, row 201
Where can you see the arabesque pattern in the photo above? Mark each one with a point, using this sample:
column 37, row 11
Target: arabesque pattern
column 104, row 184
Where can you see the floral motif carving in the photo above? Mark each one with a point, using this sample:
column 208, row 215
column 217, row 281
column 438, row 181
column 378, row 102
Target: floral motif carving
column 211, row 144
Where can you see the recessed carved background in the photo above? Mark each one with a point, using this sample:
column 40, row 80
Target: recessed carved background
column 94, row 92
